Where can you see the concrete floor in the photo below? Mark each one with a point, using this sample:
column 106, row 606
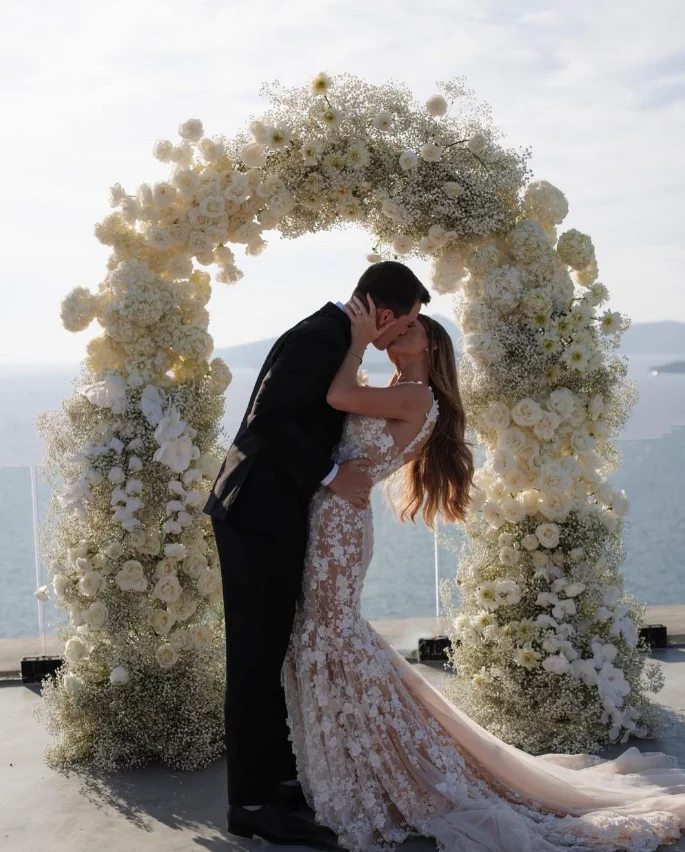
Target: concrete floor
column 155, row 809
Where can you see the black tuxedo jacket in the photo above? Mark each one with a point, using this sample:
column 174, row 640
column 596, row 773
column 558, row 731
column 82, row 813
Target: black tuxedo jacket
column 283, row 448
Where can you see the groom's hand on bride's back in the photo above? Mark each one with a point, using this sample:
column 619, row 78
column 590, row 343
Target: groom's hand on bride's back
column 353, row 483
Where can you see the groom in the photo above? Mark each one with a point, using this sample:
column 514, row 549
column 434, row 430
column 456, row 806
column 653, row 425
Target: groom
column 259, row 504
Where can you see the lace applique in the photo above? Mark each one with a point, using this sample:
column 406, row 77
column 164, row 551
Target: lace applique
column 372, row 758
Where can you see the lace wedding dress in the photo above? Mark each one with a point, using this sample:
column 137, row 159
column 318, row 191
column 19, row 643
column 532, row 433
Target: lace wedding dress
column 382, row 755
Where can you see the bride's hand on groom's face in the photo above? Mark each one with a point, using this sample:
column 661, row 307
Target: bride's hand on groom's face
column 364, row 322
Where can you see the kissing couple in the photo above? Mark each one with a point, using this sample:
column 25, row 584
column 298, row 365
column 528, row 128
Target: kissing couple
column 332, row 737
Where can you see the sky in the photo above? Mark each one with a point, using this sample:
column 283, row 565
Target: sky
column 596, row 89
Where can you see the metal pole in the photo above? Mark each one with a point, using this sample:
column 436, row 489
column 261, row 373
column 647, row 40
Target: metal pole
column 436, row 560
column 36, row 556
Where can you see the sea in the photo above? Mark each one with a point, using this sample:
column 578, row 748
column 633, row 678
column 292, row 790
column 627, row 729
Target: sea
column 409, row 559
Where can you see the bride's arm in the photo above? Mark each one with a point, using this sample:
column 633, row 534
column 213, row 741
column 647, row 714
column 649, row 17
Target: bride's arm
column 398, row 402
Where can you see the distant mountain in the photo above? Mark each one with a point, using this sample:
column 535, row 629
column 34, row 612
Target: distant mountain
column 253, row 354
column 666, row 338
column 673, row 367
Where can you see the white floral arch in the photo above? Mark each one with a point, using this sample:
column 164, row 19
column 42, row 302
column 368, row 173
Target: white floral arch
column 543, row 619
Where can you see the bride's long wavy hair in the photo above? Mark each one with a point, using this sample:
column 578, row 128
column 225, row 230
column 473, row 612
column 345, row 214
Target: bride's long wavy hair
column 439, row 479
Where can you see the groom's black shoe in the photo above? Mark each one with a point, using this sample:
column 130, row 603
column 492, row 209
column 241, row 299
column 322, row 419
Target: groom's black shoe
column 292, row 796
column 275, row 823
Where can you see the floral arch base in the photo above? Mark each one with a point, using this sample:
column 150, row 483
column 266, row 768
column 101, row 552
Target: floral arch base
column 547, row 652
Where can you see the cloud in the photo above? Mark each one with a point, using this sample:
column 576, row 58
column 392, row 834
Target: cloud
column 595, row 88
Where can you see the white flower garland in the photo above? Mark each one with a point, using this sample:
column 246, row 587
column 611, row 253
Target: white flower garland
column 135, row 448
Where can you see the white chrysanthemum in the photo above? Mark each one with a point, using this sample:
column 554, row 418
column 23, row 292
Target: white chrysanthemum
column 278, row 137
column 332, row 117
column 576, row 249
column 527, row 658
column 545, row 202
column 610, row 322
column 577, row 357
column 358, row 156
column 408, row 160
column 487, row 597
column 383, row 121
column 321, row 84
column 431, row 153
column 191, row 130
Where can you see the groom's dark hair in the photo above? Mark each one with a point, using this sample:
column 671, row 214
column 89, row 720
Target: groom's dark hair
column 391, row 285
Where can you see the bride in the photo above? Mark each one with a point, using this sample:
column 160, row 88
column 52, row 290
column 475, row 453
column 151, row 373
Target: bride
column 381, row 754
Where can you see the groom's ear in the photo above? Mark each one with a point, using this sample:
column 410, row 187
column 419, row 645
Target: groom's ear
column 384, row 317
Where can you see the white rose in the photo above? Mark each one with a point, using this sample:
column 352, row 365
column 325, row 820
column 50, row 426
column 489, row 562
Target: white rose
column 509, row 557
column 162, row 150
column 130, row 577
column 75, row 650
column 91, row 583
column 209, row 582
column 191, row 130
column 116, row 475
column 496, row 416
column 168, row 589
column 96, row 615
column 530, row 542
column 574, row 589
column 119, row 676
column 166, row 655
column 557, row 664
column 72, row 684
column 548, row 535
column 61, row 584
column 513, row 510
column 526, row 412
column 253, row 155
column 511, row 438
column 201, row 636
column 408, row 160
column 596, row 406
column 562, row 401
column 493, row 514
column 162, row 621
column 554, row 478
column 619, row 502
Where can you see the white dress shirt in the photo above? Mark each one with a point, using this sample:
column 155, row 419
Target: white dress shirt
column 334, row 470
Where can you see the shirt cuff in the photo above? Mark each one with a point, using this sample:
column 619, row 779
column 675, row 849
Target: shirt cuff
column 331, row 476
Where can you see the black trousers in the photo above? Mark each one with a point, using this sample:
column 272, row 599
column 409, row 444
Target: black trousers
column 262, row 577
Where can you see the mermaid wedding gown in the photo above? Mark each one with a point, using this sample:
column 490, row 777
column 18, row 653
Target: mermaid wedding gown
column 382, row 755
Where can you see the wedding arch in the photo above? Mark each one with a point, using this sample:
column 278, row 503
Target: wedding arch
column 545, row 638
